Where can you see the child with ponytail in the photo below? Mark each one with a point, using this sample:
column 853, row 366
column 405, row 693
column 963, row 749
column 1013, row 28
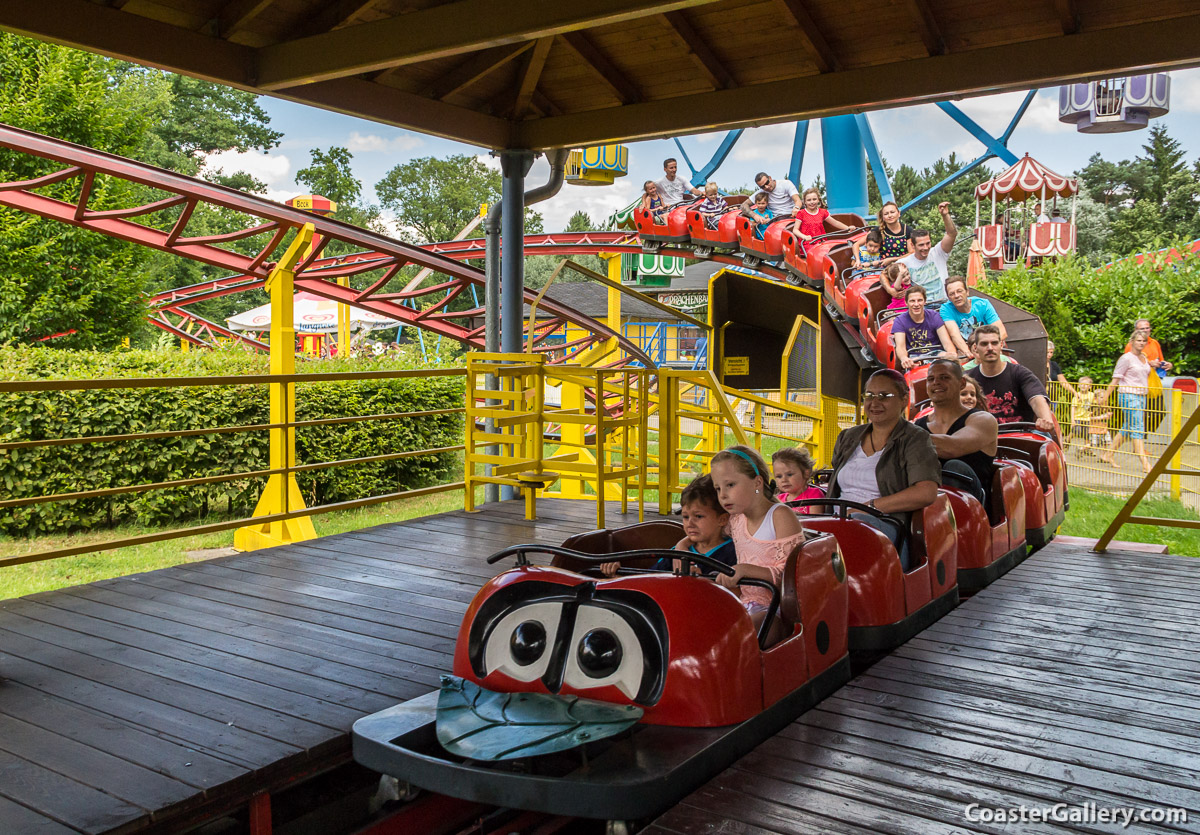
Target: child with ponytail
column 764, row 531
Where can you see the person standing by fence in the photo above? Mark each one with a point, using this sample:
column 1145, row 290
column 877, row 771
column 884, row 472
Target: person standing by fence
column 1130, row 379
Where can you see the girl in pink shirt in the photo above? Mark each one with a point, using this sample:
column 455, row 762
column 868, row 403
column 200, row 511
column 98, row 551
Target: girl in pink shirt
column 814, row 219
column 792, row 468
column 764, row 531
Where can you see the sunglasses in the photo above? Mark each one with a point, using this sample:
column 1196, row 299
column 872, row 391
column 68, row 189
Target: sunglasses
column 885, row 396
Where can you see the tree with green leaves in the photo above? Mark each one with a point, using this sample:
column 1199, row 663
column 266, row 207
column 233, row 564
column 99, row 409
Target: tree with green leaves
column 432, row 199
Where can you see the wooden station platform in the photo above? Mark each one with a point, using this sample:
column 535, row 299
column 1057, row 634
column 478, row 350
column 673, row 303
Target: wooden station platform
column 1074, row 680
column 152, row 701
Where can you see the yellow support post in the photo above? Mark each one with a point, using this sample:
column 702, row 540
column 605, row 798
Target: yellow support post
column 343, row 311
column 668, row 400
column 1177, row 458
column 282, row 493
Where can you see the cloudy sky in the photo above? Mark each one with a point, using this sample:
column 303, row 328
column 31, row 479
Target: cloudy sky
column 913, row 135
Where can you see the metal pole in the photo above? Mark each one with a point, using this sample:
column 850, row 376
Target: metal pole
column 514, row 165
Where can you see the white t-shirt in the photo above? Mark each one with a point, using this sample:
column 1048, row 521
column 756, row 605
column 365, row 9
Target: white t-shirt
column 930, row 273
column 673, row 191
column 856, row 479
column 780, row 200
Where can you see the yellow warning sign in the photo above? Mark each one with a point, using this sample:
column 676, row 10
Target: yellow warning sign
column 737, row 366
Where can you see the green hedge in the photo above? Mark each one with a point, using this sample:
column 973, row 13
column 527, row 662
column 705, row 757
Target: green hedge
column 48, row 470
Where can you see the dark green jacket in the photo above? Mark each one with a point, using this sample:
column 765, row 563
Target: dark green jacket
column 907, row 458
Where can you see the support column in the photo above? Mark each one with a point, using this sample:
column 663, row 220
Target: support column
column 282, row 493
column 514, row 165
column 845, row 165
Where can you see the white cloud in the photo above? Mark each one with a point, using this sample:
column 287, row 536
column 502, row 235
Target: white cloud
column 272, row 169
column 1185, row 91
column 373, row 142
column 598, row 201
column 771, row 144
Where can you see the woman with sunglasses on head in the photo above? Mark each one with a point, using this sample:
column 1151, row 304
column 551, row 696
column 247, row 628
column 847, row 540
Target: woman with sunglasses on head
column 887, row 462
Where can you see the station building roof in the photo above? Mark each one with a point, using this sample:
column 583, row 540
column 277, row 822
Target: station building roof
column 545, row 73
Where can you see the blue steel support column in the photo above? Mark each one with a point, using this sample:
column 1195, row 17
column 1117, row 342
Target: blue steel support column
column 874, row 158
column 845, row 172
column 797, row 164
column 514, row 165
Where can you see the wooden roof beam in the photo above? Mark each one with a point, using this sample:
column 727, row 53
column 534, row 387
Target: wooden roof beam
column 531, row 73
column 331, row 17
column 1152, row 46
column 927, row 27
column 438, row 32
column 811, row 39
column 718, row 74
column 104, row 29
column 237, row 14
column 625, row 90
column 474, row 68
column 1068, row 16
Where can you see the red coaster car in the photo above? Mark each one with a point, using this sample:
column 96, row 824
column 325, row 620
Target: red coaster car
column 990, row 540
column 676, row 654
column 767, row 248
column 826, row 258
column 1044, row 475
column 705, row 239
column 888, row 605
column 674, row 231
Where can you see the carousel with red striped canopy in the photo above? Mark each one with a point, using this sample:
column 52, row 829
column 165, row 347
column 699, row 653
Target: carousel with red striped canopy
column 1027, row 223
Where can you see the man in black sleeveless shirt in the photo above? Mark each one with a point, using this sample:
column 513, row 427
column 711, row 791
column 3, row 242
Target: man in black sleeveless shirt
column 965, row 440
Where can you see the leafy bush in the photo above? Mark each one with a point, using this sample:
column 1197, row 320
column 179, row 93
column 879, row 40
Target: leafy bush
column 64, row 414
column 1089, row 313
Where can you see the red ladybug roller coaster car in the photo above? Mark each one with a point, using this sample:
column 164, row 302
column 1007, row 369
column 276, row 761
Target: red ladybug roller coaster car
column 888, row 605
column 673, row 231
column 721, row 234
column 668, row 664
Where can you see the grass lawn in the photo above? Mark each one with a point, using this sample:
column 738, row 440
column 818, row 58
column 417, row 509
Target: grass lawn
column 19, row 580
column 1091, row 513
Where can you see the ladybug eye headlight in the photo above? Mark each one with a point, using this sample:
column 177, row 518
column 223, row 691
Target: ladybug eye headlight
column 578, row 637
column 519, row 644
column 604, row 650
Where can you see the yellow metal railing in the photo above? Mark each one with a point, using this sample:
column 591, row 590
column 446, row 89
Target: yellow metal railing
column 289, row 511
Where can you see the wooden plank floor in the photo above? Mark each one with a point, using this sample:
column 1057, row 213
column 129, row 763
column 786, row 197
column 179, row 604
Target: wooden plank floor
column 144, row 701
column 1073, row 680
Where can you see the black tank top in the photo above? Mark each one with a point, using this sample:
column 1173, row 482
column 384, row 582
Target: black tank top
column 982, row 464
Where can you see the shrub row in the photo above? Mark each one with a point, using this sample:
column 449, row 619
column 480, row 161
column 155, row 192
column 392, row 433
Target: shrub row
column 64, row 414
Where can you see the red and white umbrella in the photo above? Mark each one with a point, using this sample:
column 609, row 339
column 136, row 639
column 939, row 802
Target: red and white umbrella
column 312, row 314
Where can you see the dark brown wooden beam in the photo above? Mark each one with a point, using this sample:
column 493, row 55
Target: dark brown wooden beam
column 336, row 14
column 543, row 103
column 440, row 31
column 927, row 27
column 1153, row 46
column 104, row 29
column 586, row 51
column 474, row 68
column 237, row 14
column 1068, row 16
column 707, row 60
column 530, row 74
column 811, row 39
column 380, row 103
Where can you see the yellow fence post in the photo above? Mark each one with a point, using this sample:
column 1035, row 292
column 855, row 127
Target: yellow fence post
column 282, row 493
column 668, row 396
column 343, row 316
column 1177, row 458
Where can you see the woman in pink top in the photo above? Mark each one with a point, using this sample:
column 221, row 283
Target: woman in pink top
column 813, row 219
column 1130, row 379
column 764, row 531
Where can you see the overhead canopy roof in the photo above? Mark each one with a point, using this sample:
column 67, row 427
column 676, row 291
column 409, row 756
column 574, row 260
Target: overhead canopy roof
column 1028, row 178
column 547, row 73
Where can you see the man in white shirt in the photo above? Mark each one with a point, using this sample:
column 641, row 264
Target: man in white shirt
column 672, row 188
column 782, row 197
column 927, row 264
